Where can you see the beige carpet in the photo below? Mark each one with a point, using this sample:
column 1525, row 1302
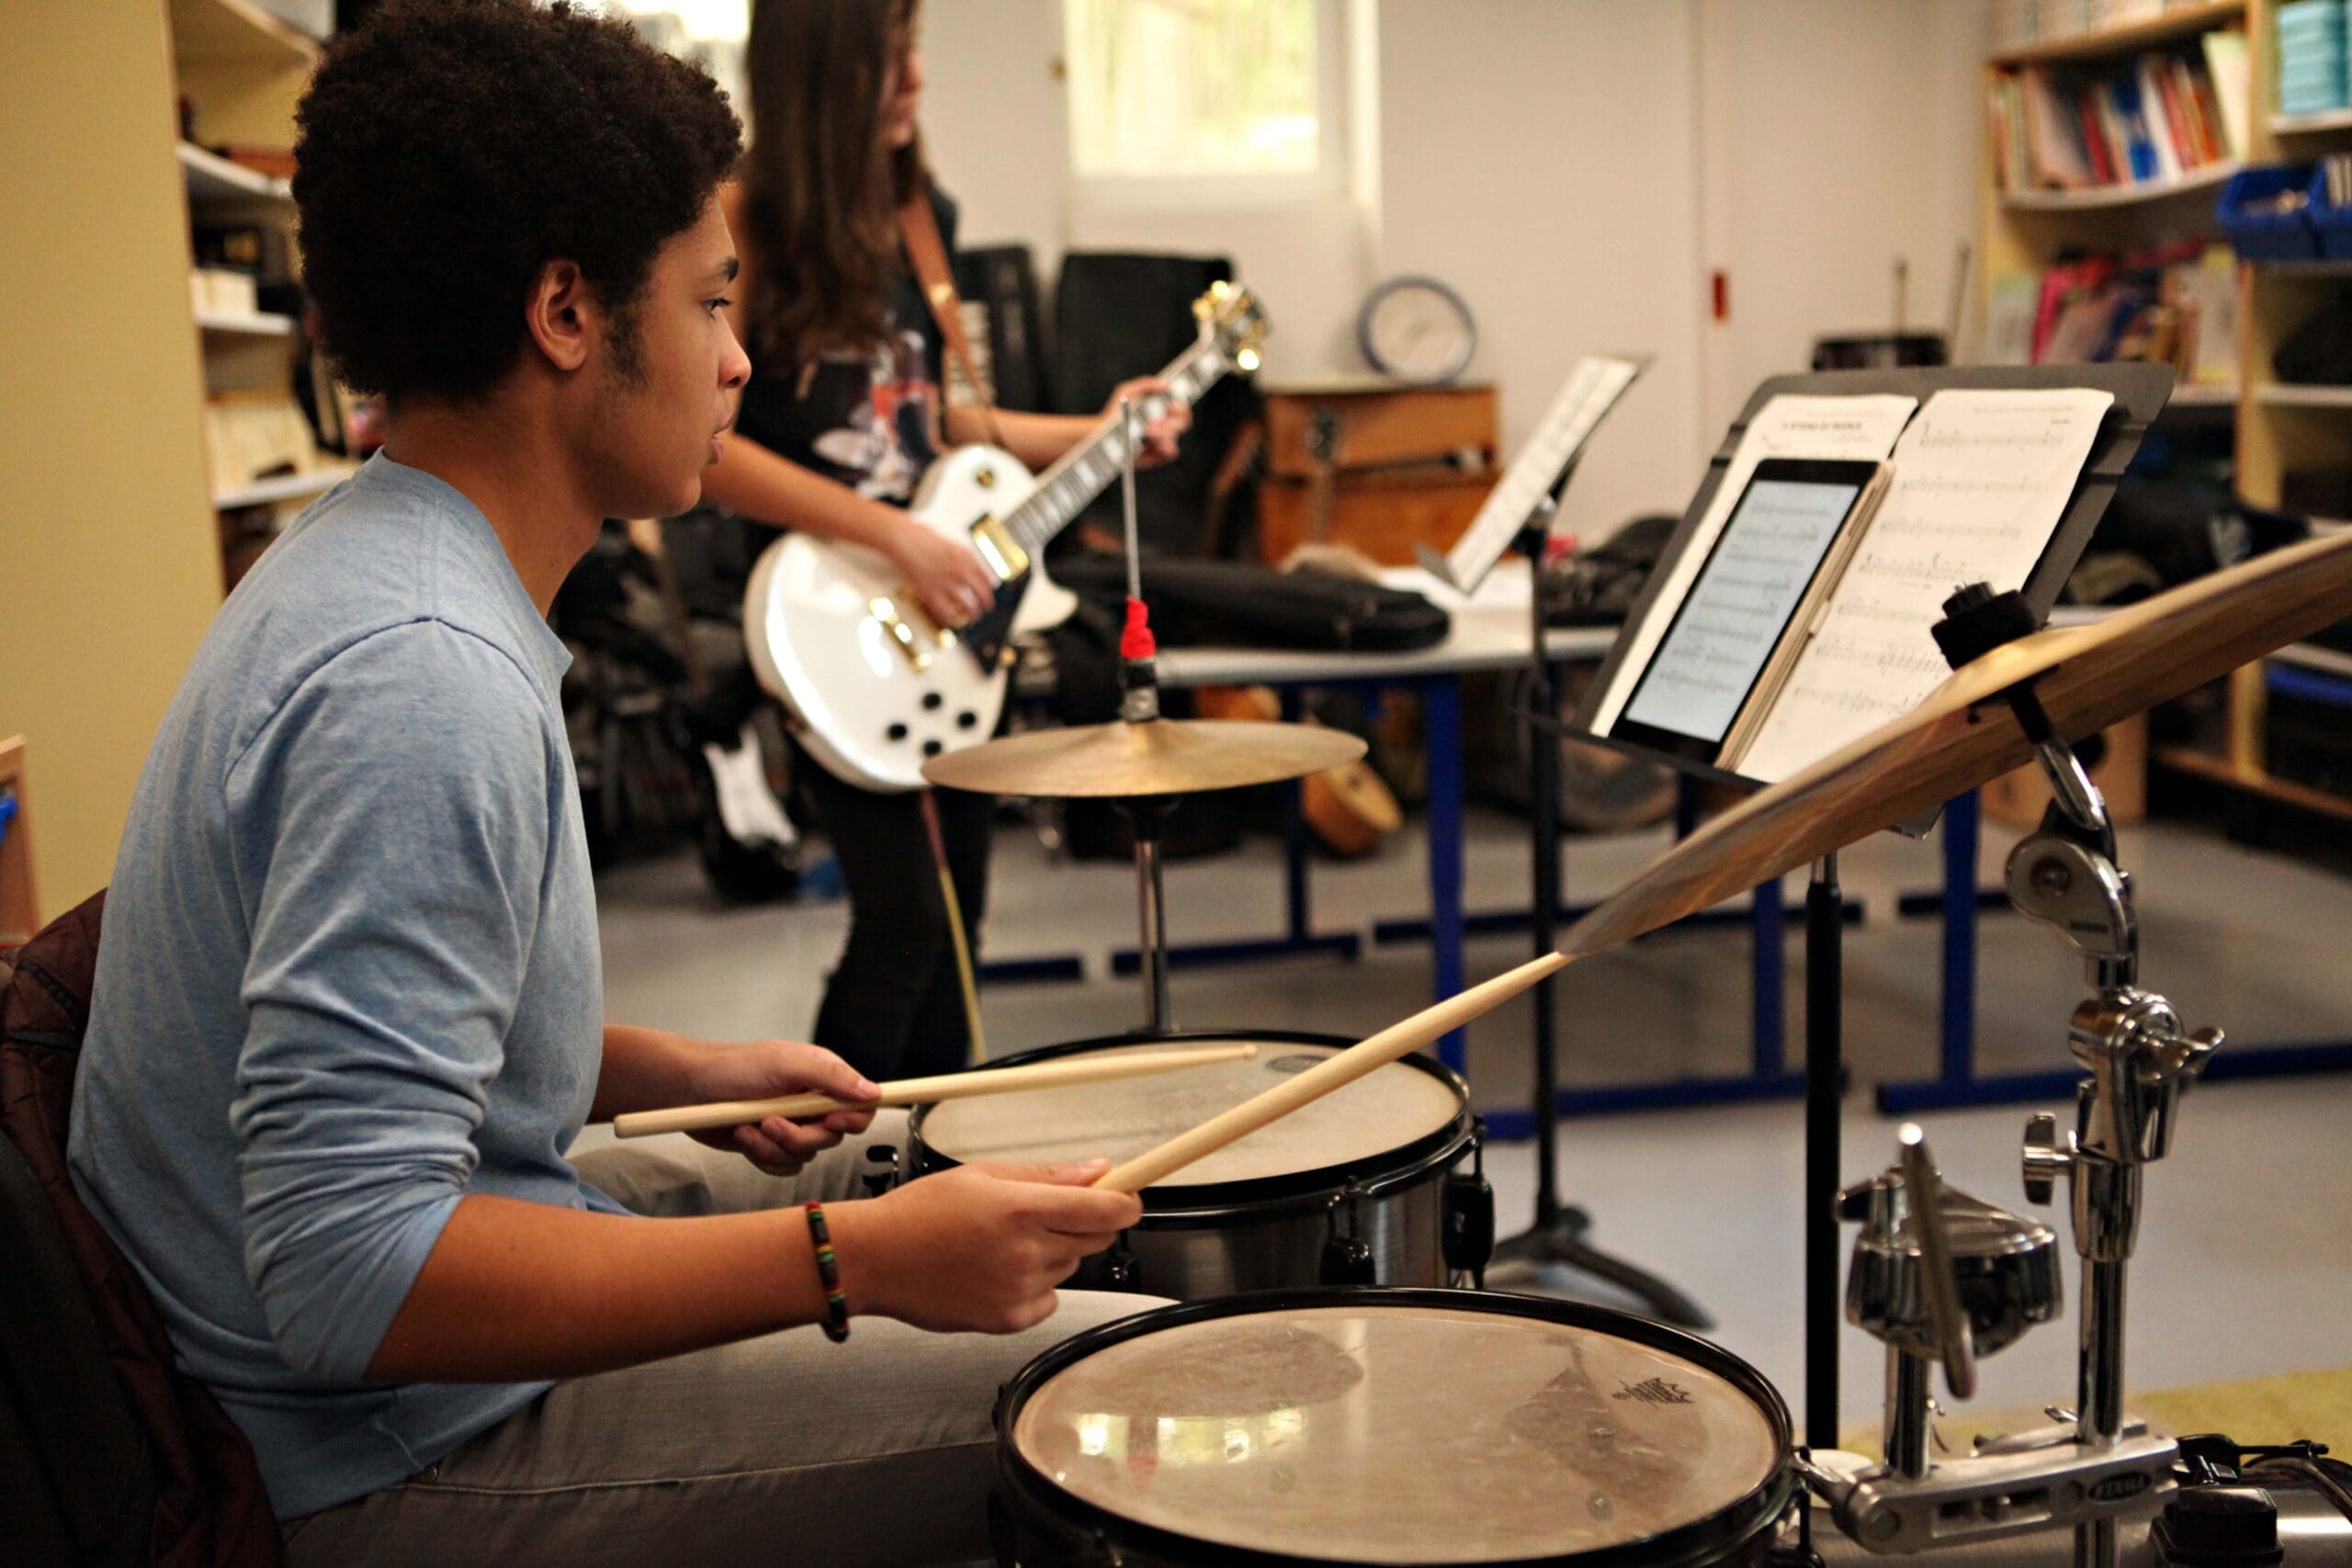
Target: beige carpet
column 2260, row 1410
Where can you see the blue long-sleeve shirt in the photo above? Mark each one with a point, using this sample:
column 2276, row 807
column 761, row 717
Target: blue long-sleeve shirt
column 349, row 975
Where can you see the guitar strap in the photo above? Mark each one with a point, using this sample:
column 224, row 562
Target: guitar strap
column 918, row 232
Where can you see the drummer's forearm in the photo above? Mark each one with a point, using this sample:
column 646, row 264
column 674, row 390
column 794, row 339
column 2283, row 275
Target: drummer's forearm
column 645, row 1069
column 515, row 1290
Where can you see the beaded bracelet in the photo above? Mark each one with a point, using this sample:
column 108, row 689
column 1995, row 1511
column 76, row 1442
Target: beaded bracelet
column 828, row 1274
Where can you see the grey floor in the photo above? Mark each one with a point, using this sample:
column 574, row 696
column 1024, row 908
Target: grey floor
column 2243, row 1269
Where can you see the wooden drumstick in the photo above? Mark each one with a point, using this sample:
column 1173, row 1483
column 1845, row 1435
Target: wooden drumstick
column 1335, row 1072
column 1126, row 1064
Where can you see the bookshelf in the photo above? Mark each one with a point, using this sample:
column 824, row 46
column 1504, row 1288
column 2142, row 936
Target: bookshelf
column 2205, row 183
column 239, row 69
column 2174, row 25
column 2275, row 427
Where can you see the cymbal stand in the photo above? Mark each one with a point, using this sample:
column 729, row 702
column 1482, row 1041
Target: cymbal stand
column 2140, row 1060
column 1140, row 704
column 1557, row 1237
column 1147, row 815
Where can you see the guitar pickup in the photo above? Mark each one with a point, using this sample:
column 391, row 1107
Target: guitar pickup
column 912, row 642
column 1000, row 549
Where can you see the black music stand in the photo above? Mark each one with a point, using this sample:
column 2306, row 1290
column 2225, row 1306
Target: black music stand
column 2139, row 392
column 1557, row 1235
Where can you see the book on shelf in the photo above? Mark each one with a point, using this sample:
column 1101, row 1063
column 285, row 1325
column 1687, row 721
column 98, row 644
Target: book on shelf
column 2151, row 119
column 2174, row 304
column 1784, row 625
column 2228, row 76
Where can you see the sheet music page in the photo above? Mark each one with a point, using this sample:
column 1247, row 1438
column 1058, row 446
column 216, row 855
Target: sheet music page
column 1788, row 426
column 1591, row 389
column 1982, row 480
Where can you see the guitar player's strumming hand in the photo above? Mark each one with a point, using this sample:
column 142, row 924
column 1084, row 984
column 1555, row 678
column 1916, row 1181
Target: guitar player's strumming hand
column 954, row 585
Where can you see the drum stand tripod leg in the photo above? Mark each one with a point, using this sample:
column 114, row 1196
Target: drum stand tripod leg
column 1558, row 1235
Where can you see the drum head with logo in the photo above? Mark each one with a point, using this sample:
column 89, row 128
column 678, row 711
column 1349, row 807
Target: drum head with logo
column 1405, row 1431
column 1383, row 1111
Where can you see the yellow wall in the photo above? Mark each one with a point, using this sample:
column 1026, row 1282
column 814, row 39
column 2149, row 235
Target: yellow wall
column 108, row 565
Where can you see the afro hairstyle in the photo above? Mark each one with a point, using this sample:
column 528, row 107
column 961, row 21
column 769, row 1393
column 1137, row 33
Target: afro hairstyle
column 449, row 150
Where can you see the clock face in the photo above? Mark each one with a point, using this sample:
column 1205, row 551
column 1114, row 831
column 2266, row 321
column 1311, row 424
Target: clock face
column 1416, row 329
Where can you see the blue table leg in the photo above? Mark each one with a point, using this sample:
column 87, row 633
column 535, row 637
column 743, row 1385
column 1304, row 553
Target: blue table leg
column 1441, row 722
column 1962, row 831
column 1768, row 975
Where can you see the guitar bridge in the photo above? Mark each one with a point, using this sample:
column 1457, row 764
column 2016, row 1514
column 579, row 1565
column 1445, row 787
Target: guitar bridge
column 1000, row 549
column 914, row 642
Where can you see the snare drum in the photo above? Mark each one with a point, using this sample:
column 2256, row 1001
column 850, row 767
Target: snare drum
column 1353, row 1189
column 1390, row 1426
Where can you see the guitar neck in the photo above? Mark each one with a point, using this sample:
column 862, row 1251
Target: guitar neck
column 1087, row 469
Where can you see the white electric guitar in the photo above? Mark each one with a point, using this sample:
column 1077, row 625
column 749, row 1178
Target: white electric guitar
column 874, row 684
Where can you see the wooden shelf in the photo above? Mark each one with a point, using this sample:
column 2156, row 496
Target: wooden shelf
column 256, row 326
column 2220, row 770
column 2108, row 198
column 2186, row 397
column 237, row 32
column 213, row 180
column 2311, row 124
column 2312, row 655
column 2149, row 32
column 2315, row 271
column 2280, row 395
column 284, row 487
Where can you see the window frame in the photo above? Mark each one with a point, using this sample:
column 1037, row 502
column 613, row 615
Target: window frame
column 1328, row 182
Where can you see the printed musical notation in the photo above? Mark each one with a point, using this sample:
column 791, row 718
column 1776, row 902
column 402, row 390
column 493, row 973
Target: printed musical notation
column 1982, row 480
column 1788, row 426
column 1734, row 618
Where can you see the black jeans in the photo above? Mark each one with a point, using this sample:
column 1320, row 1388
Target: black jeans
column 894, row 1006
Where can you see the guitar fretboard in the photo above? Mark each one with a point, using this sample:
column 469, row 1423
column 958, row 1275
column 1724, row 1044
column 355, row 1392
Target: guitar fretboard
column 1085, row 471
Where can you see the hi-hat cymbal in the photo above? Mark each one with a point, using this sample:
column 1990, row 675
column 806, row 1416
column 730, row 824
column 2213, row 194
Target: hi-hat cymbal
column 1164, row 756
column 1962, row 736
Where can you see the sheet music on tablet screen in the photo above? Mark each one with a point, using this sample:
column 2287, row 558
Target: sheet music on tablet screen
column 1729, row 626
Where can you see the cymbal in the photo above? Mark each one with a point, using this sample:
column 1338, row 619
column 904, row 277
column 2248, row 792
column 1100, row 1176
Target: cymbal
column 1163, row 756
column 1962, row 735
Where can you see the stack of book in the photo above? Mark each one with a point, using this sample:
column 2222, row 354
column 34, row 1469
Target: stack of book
column 2151, row 120
column 2173, row 304
column 2312, row 57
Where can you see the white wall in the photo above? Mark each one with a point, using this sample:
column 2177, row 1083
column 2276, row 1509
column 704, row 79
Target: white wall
column 1540, row 157
column 1840, row 135
column 1576, row 168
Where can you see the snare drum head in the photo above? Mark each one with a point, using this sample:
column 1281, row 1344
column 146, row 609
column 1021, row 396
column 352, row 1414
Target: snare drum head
column 1385, row 1109
column 1398, row 1434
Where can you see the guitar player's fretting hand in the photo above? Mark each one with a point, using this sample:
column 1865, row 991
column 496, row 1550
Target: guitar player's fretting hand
column 954, row 585
column 1161, row 434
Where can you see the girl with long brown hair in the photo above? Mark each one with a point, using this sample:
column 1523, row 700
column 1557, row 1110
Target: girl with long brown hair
column 843, row 413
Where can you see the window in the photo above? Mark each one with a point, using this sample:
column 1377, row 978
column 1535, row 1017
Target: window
column 709, row 32
column 1194, row 88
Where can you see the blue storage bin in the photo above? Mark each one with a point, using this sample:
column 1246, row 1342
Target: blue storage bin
column 2332, row 224
column 2269, row 236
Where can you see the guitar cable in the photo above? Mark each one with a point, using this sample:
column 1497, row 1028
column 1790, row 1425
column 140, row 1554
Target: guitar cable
column 979, row 1052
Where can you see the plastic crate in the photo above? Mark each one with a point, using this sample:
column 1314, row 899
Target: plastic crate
column 2269, row 236
column 2330, row 224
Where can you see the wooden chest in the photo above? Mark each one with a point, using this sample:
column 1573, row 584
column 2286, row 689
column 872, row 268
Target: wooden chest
column 1379, row 466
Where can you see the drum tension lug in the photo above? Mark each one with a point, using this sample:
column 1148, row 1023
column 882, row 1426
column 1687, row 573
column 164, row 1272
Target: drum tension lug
column 1119, row 1266
column 1469, row 1235
column 1347, row 1257
column 884, row 1176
